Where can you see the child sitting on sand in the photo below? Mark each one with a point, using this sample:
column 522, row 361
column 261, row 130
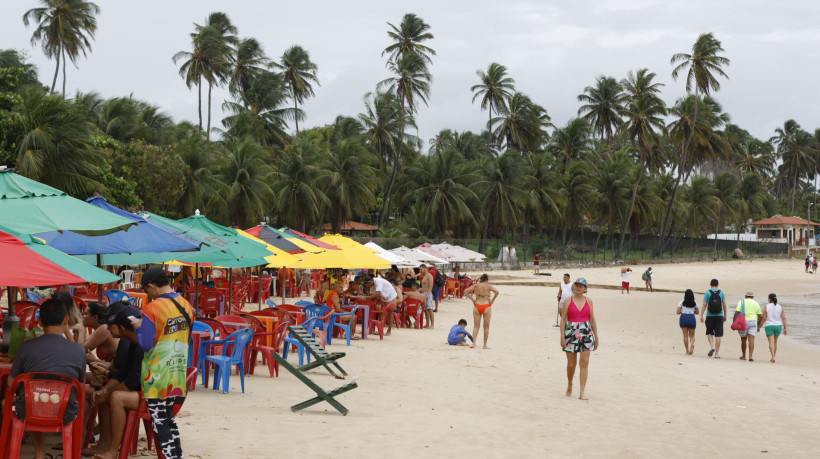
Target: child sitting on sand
column 458, row 333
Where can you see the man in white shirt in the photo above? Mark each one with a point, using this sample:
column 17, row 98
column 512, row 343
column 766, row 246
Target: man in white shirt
column 384, row 292
column 564, row 292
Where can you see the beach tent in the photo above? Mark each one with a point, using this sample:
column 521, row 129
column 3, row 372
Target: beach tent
column 30, row 207
column 391, row 257
column 143, row 237
column 416, row 257
column 460, row 254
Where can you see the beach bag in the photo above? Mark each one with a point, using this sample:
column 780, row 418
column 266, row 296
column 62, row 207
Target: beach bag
column 440, row 279
column 740, row 323
column 715, row 305
column 643, row 276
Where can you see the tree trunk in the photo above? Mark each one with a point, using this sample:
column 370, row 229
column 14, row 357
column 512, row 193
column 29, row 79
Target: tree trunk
column 208, row 132
column 56, row 72
column 717, row 227
column 295, row 110
column 63, row 72
column 683, row 165
column 386, row 203
column 629, row 214
column 199, row 104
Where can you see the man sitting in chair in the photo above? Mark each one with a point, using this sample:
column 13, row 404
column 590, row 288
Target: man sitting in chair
column 49, row 353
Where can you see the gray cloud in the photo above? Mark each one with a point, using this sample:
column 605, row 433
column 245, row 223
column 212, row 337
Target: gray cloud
column 552, row 49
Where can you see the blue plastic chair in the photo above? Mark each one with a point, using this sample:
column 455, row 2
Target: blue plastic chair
column 112, row 296
column 270, row 303
column 198, row 326
column 33, row 297
column 318, row 312
column 308, row 324
column 236, row 341
column 334, row 322
column 303, row 303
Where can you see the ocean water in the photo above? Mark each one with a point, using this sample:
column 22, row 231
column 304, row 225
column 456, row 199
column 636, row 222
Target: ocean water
column 802, row 316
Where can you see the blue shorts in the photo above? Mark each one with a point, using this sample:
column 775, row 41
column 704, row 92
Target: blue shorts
column 688, row 321
column 436, row 290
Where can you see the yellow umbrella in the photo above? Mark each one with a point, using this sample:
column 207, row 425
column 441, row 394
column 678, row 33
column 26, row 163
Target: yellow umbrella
column 351, row 256
column 279, row 259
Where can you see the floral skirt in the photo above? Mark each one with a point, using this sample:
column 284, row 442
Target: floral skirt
column 579, row 337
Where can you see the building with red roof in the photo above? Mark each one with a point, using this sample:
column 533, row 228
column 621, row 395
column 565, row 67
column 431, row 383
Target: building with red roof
column 793, row 230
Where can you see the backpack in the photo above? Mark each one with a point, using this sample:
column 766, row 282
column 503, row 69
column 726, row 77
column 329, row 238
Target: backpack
column 715, row 304
column 439, row 280
column 643, row 276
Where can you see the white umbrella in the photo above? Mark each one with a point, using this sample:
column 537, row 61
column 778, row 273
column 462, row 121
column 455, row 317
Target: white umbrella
column 460, row 254
column 416, row 256
column 390, row 256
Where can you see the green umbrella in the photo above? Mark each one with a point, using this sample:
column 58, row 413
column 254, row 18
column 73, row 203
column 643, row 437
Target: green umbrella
column 30, row 207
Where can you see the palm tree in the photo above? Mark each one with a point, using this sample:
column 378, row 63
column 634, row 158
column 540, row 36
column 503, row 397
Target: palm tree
column 245, row 174
column 750, row 197
column 443, row 190
column 643, row 113
column 299, row 72
column 64, row 28
column 794, row 146
column 494, row 90
column 571, row 142
column 603, row 106
column 702, row 68
column 249, row 63
column 579, row 195
column 500, row 188
column 411, row 84
column 700, row 202
column 54, row 146
column 408, row 37
column 613, row 187
column 297, row 181
column 542, row 196
column 522, row 124
column 261, row 111
column 383, row 123
column 726, row 188
column 201, row 185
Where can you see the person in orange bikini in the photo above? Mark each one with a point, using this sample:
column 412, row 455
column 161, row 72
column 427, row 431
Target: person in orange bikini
column 479, row 294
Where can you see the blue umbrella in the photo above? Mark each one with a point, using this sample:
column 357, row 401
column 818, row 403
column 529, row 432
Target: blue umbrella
column 144, row 237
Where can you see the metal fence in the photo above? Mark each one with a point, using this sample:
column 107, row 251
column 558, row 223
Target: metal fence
column 587, row 247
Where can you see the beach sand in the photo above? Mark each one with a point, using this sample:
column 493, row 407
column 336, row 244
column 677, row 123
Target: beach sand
column 418, row 396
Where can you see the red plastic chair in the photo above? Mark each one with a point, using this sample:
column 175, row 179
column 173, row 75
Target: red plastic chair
column 132, row 423
column 80, row 303
column 207, row 303
column 375, row 318
column 452, row 288
column 412, row 308
column 258, row 347
column 46, row 396
column 295, row 311
column 27, row 314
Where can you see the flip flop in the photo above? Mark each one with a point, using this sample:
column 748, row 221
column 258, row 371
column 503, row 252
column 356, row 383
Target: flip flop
column 751, row 360
column 717, row 356
column 712, row 352
column 742, row 358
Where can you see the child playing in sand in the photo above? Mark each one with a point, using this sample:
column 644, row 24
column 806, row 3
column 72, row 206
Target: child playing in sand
column 458, row 333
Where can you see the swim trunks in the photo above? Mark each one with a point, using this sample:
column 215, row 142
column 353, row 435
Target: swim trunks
column 751, row 329
column 429, row 304
column 482, row 307
column 714, row 326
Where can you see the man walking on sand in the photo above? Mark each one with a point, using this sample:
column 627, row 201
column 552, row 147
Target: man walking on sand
column 647, row 277
column 714, row 306
column 754, row 318
column 427, row 290
column 564, row 292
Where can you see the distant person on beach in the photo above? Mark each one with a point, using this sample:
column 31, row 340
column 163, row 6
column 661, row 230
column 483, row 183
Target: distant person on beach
column 579, row 333
column 625, row 273
column 647, row 277
column 687, row 309
column 813, row 264
column 808, row 263
column 458, row 333
column 427, row 290
column 714, row 306
column 774, row 322
column 536, row 262
column 479, row 294
column 564, row 292
column 754, row 319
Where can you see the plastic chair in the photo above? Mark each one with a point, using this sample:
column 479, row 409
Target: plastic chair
column 27, row 315
column 452, row 288
column 300, row 349
column 80, row 303
column 207, row 303
column 33, row 297
column 376, row 321
column 259, row 348
column 229, row 319
column 296, row 312
column 270, row 303
column 412, row 308
column 304, row 303
column 322, row 315
column 236, row 341
column 112, row 296
column 350, row 327
column 196, row 327
column 127, row 279
column 132, row 425
column 46, row 396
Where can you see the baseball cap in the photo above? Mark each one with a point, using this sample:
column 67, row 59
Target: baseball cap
column 119, row 312
column 581, row 281
column 154, row 275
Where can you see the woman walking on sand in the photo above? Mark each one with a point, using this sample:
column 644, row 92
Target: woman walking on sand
column 774, row 322
column 687, row 309
column 479, row 294
column 579, row 333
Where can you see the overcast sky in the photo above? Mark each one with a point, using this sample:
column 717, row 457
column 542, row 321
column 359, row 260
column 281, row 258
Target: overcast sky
column 552, row 50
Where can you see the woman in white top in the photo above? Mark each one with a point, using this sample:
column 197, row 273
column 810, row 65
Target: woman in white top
column 687, row 309
column 774, row 321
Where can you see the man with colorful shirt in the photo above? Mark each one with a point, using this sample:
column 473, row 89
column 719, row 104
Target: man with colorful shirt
column 163, row 334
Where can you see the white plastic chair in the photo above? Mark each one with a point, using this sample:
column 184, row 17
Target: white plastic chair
column 127, row 279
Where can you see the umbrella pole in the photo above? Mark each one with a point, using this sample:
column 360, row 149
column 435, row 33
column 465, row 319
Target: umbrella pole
column 99, row 286
column 284, row 275
column 196, row 290
column 230, row 289
column 11, row 302
column 259, row 274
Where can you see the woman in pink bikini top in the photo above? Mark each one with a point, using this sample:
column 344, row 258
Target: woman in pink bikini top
column 579, row 333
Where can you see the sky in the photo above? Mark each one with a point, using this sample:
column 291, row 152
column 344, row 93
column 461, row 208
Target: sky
column 553, row 50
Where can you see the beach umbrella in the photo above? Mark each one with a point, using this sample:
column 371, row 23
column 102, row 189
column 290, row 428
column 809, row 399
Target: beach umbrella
column 145, row 237
column 275, row 238
column 391, row 257
column 429, row 249
column 459, row 254
column 417, row 256
column 30, row 207
column 26, row 262
column 345, row 258
column 309, row 239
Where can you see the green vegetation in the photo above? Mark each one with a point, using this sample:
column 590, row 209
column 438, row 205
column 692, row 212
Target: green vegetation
column 629, row 167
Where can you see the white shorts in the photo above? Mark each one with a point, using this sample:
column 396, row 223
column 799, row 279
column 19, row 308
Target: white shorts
column 751, row 329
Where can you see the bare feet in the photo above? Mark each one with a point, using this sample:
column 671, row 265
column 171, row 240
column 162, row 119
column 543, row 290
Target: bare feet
column 772, row 360
column 582, row 397
column 472, row 347
column 569, row 391
column 89, row 452
column 103, row 455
